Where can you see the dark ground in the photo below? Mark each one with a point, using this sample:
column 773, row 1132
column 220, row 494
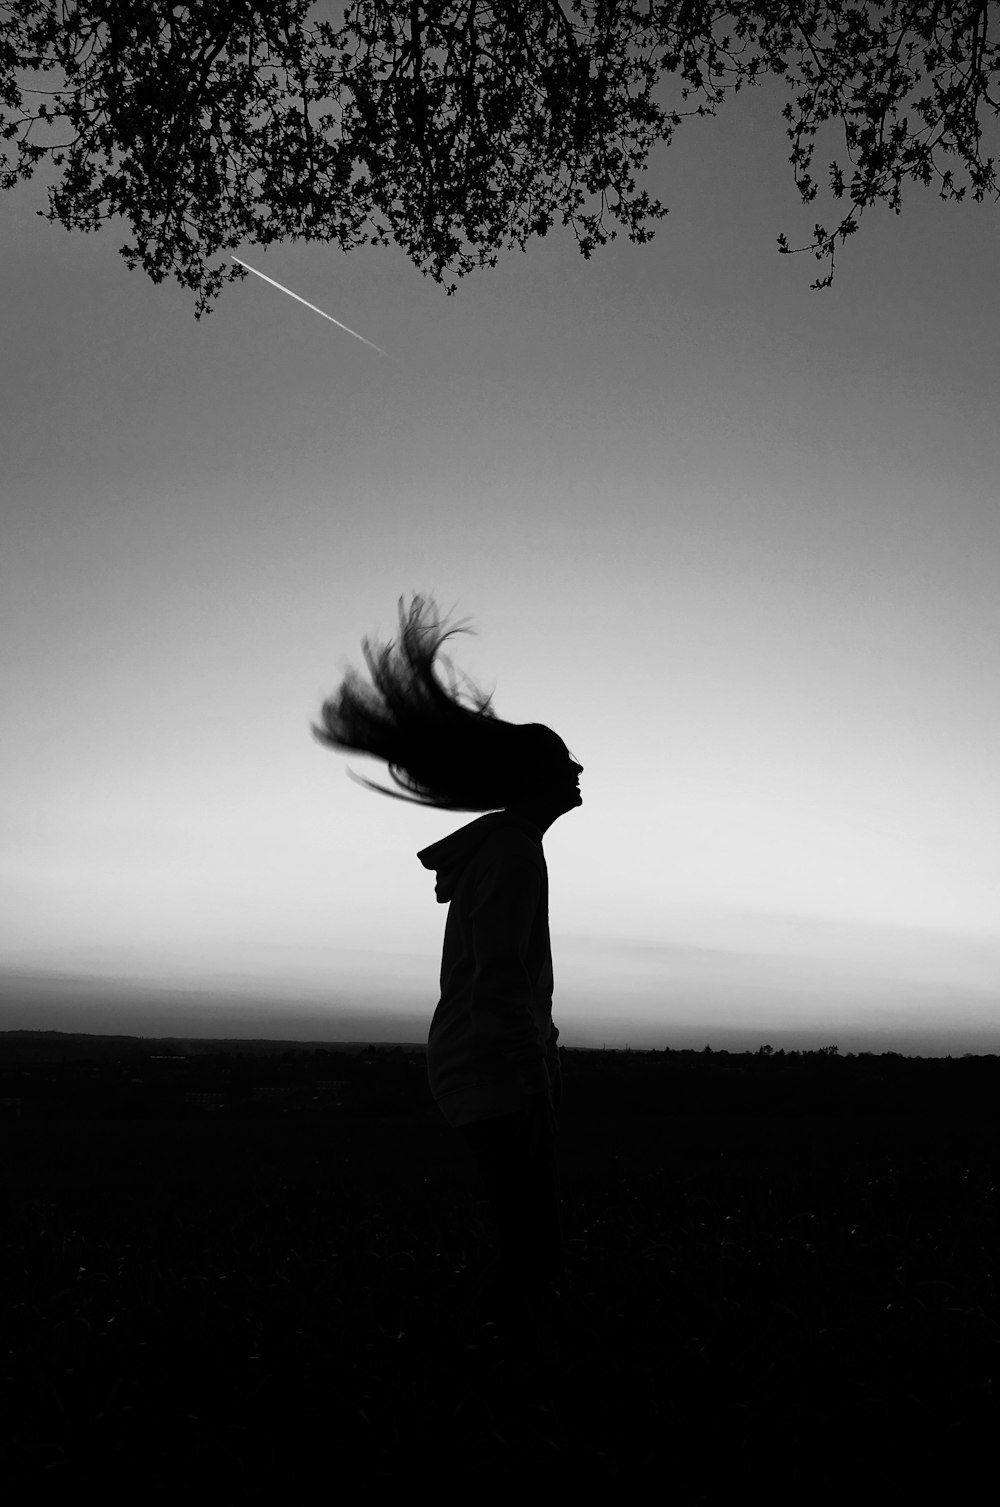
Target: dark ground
column 782, row 1280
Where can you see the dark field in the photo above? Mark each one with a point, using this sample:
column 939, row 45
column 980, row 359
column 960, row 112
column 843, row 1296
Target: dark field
column 782, row 1282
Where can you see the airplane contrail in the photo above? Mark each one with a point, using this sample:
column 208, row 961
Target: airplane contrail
column 312, row 306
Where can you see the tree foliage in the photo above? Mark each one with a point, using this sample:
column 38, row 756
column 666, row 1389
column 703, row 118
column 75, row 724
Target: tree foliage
column 459, row 128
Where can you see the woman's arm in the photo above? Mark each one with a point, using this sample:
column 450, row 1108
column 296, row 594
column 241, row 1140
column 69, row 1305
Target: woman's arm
column 502, row 914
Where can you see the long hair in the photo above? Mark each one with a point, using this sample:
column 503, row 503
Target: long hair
column 439, row 751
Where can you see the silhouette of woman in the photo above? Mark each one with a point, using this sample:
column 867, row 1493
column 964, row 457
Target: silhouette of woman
column 492, row 1055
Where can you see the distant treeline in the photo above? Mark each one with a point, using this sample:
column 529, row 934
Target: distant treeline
column 56, row 1075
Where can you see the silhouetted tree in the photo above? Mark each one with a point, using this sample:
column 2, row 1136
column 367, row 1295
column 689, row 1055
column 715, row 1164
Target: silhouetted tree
column 460, row 128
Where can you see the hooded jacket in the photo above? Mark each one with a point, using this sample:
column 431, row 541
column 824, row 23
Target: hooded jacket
column 492, row 1032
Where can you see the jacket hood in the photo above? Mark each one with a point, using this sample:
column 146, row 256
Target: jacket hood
column 450, row 856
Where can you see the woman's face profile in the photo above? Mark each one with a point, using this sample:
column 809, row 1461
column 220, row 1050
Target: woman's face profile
column 564, row 777
column 552, row 785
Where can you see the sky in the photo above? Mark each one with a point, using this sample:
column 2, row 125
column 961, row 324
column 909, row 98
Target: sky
column 735, row 540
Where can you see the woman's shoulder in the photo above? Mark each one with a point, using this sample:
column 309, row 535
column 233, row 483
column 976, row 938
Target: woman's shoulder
column 511, row 842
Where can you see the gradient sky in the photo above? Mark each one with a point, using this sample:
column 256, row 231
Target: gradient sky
column 737, row 541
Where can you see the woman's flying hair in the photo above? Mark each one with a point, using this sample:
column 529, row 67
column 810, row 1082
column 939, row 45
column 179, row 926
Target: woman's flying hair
column 440, row 751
